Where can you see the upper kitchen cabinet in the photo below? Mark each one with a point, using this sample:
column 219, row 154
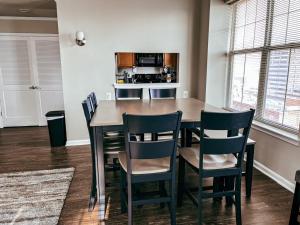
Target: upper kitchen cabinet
column 125, row 59
column 170, row 60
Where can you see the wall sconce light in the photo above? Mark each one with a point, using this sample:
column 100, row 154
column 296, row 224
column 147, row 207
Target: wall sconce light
column 80, row 39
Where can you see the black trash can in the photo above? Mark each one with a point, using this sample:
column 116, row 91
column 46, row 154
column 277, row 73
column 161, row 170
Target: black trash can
column 57, row 128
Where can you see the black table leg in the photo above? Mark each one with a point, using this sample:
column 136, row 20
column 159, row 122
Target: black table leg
column 249, row 169
column 188, row 137
column 295, row 206
column 183, row 137
column 181, row 181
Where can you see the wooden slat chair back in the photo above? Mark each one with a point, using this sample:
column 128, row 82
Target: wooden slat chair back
column 167, row 93
column 127, row 94
column 149, row 160
column 93, row 100
column 163, row 93
column 235, row 143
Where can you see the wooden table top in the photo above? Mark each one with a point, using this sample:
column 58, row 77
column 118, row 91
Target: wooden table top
column 109, row 113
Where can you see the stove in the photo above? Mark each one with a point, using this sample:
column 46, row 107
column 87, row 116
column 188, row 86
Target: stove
column 148, row 78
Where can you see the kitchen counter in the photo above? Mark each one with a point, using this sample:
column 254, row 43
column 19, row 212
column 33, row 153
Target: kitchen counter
column 147, row 85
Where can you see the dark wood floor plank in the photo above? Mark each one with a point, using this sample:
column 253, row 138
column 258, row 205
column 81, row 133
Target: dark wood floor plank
column 23, row 149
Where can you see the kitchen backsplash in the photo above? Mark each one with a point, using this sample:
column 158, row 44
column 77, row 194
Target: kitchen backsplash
column 141, row 70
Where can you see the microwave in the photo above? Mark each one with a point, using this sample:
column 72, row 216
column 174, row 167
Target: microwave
column 149, row 59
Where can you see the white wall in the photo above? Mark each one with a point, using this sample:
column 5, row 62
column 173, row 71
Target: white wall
column 279, row 156
column 218, row 45
column 115, row 26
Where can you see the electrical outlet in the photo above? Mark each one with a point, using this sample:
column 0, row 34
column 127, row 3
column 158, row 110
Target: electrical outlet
column 108, row 96
column 185, row 94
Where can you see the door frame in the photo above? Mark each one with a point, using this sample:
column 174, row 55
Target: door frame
column 1, row 103
column 33, row 66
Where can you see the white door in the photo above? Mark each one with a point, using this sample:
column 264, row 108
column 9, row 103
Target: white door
column 48, row 78
column 30, row 79
column 18, row 99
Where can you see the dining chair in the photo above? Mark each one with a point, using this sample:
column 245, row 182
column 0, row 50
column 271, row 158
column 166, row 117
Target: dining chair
column 93, row 99
column 113, row 141
column 88, row 113
column 128, row 94
column 295, row 212
column 163, row 93
column 112, row 146
column 149, row 161
column 216, row 158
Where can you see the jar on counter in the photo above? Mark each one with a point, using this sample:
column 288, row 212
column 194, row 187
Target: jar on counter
column 169, row 78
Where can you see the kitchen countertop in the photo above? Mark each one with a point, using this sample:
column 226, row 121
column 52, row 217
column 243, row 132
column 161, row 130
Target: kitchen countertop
column 147, row 85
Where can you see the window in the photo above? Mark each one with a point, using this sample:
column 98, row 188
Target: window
column 245, row 80
column 265, row 61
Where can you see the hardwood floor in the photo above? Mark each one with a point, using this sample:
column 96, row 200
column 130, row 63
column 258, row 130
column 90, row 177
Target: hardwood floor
column 23, row 149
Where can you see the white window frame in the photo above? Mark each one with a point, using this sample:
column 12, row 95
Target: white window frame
column 261, row 123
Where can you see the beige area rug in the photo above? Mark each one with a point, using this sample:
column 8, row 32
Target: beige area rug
column 33, row 197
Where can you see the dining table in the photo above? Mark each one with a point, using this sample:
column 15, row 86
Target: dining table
column 108, row 118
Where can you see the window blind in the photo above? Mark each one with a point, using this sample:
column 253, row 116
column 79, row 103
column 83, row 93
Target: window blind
column 265, row 61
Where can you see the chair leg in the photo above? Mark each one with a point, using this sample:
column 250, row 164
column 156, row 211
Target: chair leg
column 238, row 206
column 93, row 193
column 162, row 192
column 181, row 181
column 295, row 206
column 115, row 165
column 129, row 203
column 173, row 202
column 200, row 217
column 142, row 137
column 229, row 186
column 249, row 169
column 218, row 186
column 122, row 190
column 154, row 137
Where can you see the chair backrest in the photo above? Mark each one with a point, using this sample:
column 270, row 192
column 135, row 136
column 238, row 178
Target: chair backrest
column 93, row 100
column 88, row 110
column 88, row 113
column 143, row 124
column 169, row 93
column 234, row 143
column 126, row 94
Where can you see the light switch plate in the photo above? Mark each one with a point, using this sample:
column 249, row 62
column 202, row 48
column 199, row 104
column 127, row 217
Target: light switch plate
column 185, row 94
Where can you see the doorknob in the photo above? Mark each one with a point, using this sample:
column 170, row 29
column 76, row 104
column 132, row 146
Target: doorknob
column 32, row 87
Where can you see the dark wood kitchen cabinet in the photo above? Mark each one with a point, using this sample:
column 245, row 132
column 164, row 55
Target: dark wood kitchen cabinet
column 125, row 59
column 170, row 60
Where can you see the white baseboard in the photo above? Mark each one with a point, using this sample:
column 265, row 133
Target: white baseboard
column 78, row 142
column 290, row 186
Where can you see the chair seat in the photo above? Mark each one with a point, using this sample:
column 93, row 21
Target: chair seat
column 210, row 162
column 145, row 166
column 221, row 134
column 297, row 178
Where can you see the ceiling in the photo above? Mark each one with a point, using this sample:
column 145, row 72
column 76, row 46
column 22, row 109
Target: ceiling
column 32, row 8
